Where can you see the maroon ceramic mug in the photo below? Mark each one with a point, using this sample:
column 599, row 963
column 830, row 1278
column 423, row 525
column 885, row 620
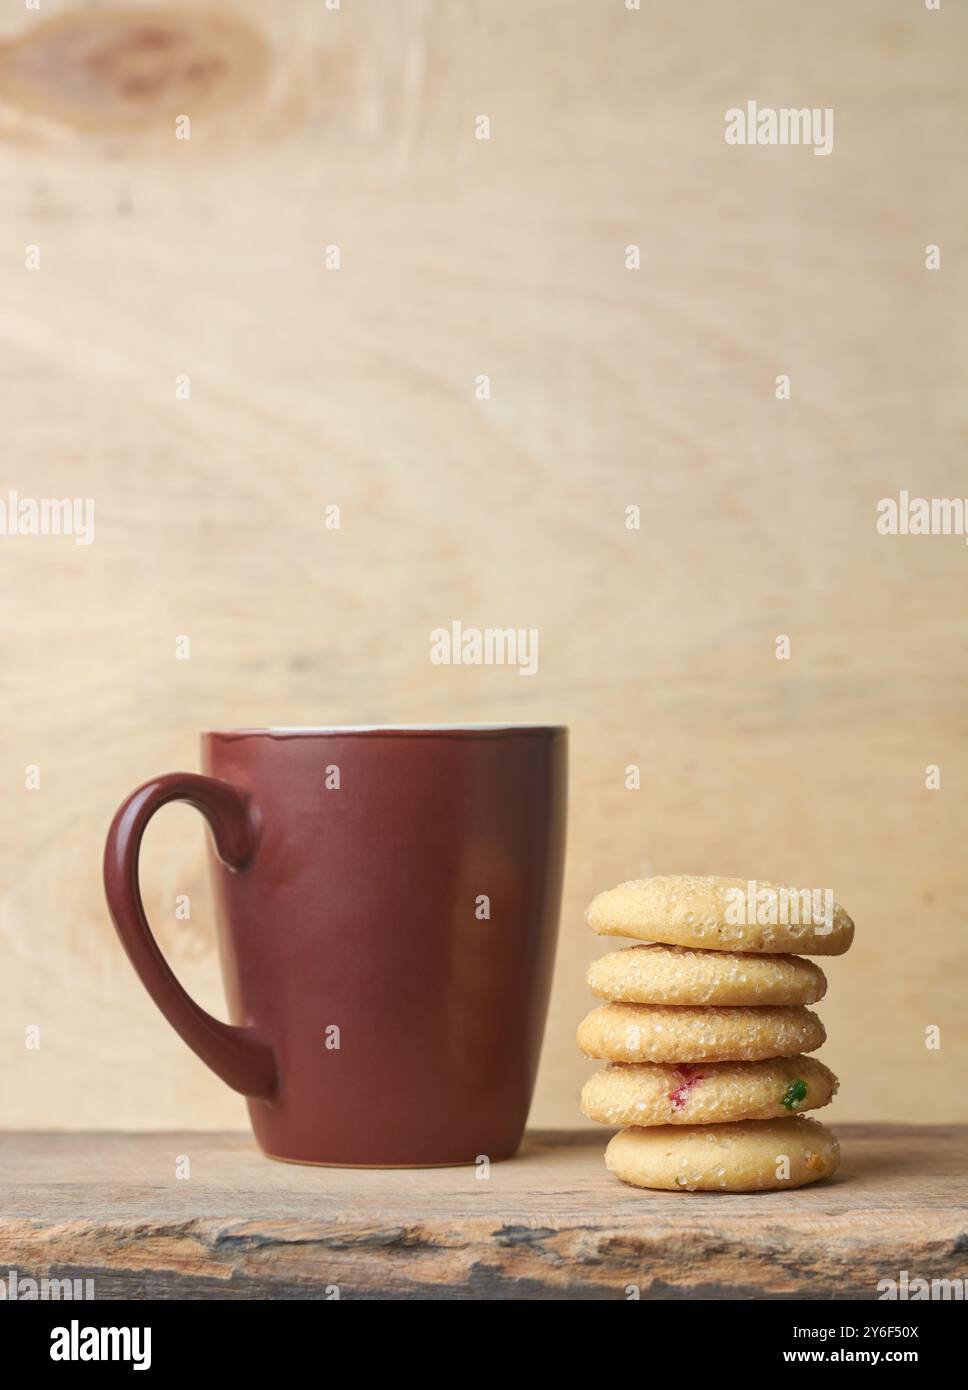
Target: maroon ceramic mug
column 387, row 907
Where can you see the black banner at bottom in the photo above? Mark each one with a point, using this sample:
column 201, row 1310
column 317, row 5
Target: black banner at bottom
column 167, row 1337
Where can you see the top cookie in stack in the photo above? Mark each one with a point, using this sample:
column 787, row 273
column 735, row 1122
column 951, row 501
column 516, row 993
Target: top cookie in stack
column 705, row 1032
column 712, row 914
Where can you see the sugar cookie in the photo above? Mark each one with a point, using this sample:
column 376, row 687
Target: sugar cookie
column 651, row 1093
column 717, row 914
column 657, row 1033
column 752, row 1156
column 674, row 975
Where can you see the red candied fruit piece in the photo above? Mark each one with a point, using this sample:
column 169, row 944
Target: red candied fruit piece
column 690, row 1077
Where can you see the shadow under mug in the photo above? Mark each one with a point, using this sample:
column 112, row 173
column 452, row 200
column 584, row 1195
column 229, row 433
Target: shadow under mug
column 387, row 907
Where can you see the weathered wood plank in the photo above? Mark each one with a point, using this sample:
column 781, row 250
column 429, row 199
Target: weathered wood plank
column 550, row 1223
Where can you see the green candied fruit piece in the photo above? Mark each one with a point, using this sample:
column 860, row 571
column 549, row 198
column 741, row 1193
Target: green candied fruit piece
column 794, row 1093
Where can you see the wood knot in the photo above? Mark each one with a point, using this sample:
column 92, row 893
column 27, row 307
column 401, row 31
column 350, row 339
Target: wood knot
column 110, row 68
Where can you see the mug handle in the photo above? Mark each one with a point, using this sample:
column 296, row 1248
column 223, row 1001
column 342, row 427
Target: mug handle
column 239, row 1056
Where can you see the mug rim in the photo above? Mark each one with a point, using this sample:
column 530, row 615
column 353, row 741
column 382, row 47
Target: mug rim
column 322, row 730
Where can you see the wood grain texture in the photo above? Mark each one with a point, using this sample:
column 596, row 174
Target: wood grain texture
column 608, row 388
column 550, row 1223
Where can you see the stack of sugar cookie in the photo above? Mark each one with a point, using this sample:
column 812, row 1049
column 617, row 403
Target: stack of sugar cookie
column 705, row 1032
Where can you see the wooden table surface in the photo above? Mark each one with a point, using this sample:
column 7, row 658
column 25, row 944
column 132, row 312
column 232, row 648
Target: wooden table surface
column 551, row 1223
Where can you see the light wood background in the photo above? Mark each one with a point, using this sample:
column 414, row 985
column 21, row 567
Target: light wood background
column 609, row 387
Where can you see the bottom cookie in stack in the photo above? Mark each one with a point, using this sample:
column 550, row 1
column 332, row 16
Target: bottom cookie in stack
column 748, row 1156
